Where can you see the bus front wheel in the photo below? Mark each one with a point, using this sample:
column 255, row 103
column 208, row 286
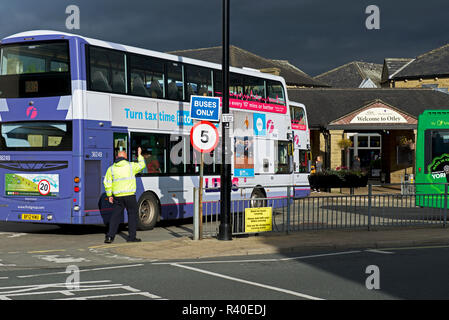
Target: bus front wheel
column 148, row 211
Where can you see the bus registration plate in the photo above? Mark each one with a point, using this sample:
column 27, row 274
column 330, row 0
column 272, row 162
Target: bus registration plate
column 33, row 217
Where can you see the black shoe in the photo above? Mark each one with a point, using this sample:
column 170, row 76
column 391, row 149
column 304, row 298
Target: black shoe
column 108, row 239
column 134, row 240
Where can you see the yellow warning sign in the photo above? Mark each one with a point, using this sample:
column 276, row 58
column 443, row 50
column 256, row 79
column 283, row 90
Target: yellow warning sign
column 258, row 219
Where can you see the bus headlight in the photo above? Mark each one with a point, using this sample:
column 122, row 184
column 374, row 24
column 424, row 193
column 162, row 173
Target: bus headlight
column 76, row 208
column 49, row 217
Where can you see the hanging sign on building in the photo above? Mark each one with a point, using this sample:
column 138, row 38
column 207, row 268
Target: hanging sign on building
column 378, row 115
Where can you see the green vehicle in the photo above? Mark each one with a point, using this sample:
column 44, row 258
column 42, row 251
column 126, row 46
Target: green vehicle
column 432, row 158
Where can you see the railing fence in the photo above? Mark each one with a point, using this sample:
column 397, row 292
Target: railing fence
column 373, row 207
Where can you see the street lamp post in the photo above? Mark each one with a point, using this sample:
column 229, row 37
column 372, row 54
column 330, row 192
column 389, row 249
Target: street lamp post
column 225, row 231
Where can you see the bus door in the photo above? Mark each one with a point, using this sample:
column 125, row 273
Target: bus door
column 98, row 157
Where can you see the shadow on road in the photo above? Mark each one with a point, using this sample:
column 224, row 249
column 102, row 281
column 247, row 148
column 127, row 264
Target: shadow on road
column 67, row 229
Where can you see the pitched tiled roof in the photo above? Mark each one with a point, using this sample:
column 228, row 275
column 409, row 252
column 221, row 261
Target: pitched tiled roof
column 241, row 58
column 392, row 66
column 352, row 74
column 430, row 64
column 327, row 104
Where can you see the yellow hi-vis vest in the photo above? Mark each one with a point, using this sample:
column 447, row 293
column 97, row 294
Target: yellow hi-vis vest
column 120, row 178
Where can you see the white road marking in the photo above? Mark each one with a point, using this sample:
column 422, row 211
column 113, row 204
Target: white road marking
column 6, row 293
column 261, row 260
column 31, row 289
column 321, row 255
column 58, row 259
column 6, row 265
column 13, row 234
column 113, row 256
column 81, row 270
column 145, row 294
column 419, row 247
column 294, row 293
column 379, row 251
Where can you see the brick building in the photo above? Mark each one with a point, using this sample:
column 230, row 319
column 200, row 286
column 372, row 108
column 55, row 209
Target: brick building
column 429, row 70
column 348, row 103
column 381, row 123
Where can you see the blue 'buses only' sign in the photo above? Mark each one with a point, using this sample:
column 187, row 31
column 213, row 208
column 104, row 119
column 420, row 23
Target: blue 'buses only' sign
column 205, row 108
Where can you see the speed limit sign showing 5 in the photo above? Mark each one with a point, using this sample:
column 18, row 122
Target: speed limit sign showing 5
column 44, row 187
column 204, row 136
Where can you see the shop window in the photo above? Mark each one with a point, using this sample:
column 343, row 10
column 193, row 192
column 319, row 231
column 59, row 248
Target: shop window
column 404, row 156
column 374, row 142
column 362, row 141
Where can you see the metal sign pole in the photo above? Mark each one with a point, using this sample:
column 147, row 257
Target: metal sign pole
column 200, row 211
column 196, row 210
column 204, row 138
column 224, row 231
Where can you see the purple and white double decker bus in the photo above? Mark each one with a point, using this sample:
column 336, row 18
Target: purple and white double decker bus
column 69, row 103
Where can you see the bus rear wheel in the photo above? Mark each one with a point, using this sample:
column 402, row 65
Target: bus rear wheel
column 148, row 211
column 255, row 196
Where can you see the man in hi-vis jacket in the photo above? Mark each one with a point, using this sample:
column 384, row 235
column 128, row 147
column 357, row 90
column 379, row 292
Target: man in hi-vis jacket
column 120, row 187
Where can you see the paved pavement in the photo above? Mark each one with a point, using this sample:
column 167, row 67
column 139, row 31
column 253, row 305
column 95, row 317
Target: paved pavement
column 171, row 241
column 185, row 248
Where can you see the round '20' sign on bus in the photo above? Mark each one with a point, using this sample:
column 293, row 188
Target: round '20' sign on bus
column 44, row 187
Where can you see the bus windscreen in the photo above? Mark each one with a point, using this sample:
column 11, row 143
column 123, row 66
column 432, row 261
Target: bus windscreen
column 35, row 69
column 33, row 136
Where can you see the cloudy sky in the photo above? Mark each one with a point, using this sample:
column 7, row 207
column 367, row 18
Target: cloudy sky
column 314, row 35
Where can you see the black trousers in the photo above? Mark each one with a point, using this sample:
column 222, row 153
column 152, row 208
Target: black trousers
column 120, row 204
